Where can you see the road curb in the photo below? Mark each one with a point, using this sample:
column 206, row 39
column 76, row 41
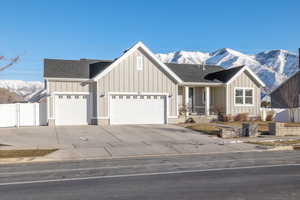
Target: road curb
column 43, row 159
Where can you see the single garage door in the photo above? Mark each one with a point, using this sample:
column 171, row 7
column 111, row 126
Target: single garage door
column 137, row 109
column 71, row 109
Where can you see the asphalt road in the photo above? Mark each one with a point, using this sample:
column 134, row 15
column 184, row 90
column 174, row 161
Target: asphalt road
column 261, row 175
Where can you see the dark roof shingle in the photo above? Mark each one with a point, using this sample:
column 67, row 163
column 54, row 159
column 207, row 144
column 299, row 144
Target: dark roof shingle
column 84, row 68
column 223, row 76
column 194, row 72
column 88, row 68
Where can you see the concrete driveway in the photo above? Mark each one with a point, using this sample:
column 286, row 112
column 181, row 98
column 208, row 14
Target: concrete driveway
column 86, row 142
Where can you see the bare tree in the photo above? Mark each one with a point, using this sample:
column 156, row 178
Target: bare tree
column 5, row 95
column 290, row 96
column 10, row 63
column 9, row 97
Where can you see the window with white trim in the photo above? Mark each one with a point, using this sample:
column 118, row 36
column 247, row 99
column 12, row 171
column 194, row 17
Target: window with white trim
column 139, row 63
column 243, row 96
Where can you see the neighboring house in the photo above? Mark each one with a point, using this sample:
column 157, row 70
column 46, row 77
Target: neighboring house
column 286, row 95
column 137, row 88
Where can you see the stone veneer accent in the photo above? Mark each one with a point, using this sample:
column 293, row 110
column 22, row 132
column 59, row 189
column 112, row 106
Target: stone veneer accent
column 279, row 129
column 229, row 133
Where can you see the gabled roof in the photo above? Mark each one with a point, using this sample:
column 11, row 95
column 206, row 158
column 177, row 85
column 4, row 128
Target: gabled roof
column 194, row 72
column 228, row 75
column 187, row 73
column 224, row 75
column 98, row 67
column 247, row 69
column 83, row 69
column 128, row 52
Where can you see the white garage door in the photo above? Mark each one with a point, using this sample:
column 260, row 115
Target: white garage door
column 71, row 109
column 137, row 109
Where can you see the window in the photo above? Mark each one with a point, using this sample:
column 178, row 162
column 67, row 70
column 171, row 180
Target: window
column 139, row 63
column 239, row 96
column 244, row 96
column 248, row 96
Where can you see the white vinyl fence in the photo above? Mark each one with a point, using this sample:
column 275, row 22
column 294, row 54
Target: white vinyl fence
column 23, row 114
column 281, row 115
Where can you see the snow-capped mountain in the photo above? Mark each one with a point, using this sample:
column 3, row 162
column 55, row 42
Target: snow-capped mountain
column 22, row 88
column 272, row 67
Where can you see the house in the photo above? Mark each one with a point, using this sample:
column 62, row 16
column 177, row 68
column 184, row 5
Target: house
column 286, row 95
column 137, row 88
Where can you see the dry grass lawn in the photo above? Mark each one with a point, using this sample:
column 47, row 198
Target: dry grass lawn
column 276, row 143
column 25, row 153
column 206, row 128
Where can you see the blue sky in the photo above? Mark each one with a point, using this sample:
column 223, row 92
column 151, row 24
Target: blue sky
column 73, row 29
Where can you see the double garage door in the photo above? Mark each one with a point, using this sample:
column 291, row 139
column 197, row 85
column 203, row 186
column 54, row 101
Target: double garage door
column 72, row 109
column 137, row 109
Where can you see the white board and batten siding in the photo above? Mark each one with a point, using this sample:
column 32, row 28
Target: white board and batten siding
column 127, row 77
column 244, row 80
column 23, row 114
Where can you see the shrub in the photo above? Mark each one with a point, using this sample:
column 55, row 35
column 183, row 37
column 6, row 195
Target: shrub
column 255, row 118
column 241, row 117
column 258, row 118
column 218, row 110
column 226, row 118
column 266, row 104
column 183, row 110
column 190, row 120
column 270, row 116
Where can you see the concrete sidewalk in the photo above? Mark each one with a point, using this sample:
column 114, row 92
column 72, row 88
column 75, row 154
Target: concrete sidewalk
column 95, row 142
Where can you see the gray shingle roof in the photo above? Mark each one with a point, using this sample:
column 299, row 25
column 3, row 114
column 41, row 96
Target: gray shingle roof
column 89, row 68
column 223, row 76
column 98, row 67
column 56, row 68
column 194, row 72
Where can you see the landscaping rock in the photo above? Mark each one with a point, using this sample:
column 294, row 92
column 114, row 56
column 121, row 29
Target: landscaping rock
column 279, row 129
column 190, row 120
column 229, row 133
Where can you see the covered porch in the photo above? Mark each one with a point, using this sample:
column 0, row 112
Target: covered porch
column 202, row 100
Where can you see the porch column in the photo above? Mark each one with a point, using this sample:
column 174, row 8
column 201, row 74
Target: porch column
column 186, row 99
column 207, row 100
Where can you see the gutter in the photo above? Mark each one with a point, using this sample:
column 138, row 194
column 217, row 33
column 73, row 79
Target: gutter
column 201, row 84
